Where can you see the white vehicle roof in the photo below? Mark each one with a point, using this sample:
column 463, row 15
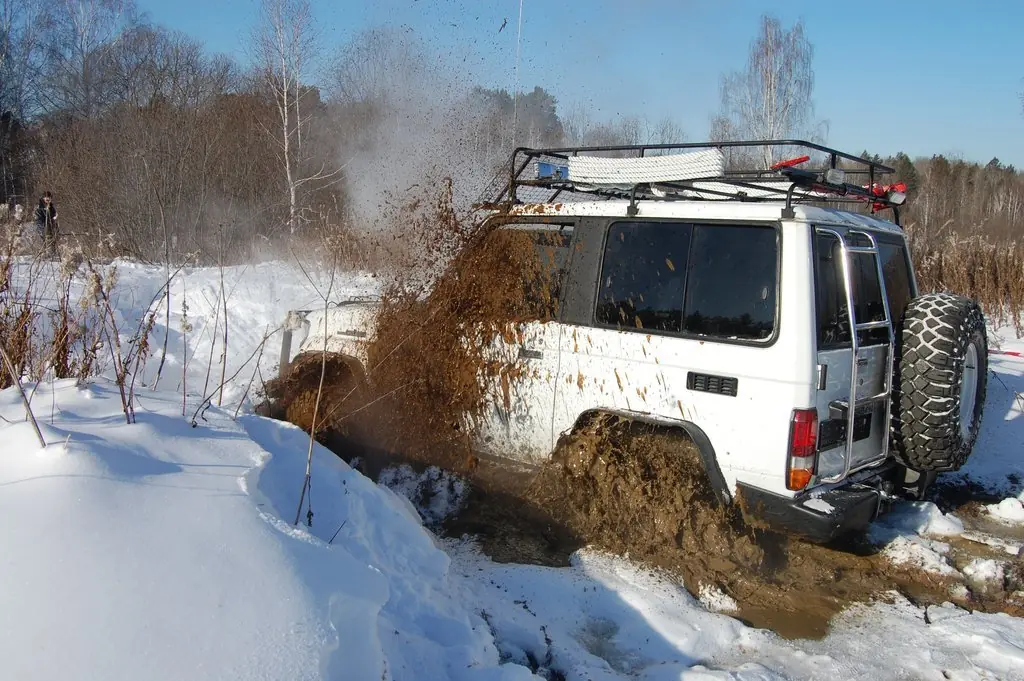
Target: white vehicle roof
column 708, row 210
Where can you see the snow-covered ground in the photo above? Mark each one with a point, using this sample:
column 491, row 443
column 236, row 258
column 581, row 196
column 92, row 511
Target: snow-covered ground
column 259, row 297
column 161, row 551
column 997, row 462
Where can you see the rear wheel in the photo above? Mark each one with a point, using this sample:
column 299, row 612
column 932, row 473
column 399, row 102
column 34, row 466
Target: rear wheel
column 942, row 379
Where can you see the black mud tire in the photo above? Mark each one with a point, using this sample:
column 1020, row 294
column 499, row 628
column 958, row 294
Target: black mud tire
column 937, row 333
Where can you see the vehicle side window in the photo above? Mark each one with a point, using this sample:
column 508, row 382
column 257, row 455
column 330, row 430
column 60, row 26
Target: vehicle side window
column 544, row 284
column 642, row 276
column 897, row 278
column 833, row 315
column 532, row 260
column 731, row 284
column 714, row 281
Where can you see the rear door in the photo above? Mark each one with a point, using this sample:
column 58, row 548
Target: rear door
column 517, row 420
column 835, row 349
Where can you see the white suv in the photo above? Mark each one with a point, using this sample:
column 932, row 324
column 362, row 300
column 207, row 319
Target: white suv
column 698, row 296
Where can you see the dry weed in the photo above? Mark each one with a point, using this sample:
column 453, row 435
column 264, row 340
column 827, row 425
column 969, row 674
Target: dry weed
column 978, row 267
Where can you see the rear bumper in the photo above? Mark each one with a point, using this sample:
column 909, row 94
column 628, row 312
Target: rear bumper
column 819, row 518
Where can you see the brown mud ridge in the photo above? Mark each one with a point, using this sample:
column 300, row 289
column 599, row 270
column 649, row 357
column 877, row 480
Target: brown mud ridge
column 611, row 485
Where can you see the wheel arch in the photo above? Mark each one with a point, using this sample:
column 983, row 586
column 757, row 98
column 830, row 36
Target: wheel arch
column 350, row 362
column 708, row 458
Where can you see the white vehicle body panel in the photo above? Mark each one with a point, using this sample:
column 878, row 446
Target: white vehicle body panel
column 517, row 420
column 349, row 327
column 646, row 375
column 575, row 369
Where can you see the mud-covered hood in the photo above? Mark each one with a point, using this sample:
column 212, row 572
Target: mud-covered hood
column 347, row 325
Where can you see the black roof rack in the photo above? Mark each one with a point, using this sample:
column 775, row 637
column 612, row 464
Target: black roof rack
column 542, row 176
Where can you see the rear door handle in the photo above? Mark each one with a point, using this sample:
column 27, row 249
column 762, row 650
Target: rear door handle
column 530, row 354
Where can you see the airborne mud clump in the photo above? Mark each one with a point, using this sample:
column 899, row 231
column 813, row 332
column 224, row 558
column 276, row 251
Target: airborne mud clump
column 295, row 395
column 632, row 489
column 432, row 367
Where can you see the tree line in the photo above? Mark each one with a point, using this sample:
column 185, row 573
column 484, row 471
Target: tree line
column 155, row 148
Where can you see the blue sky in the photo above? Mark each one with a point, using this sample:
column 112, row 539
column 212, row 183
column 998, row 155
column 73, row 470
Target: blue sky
column 923, row 77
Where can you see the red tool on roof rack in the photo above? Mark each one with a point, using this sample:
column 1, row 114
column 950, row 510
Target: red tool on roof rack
column 791, row 162
column 894, row 194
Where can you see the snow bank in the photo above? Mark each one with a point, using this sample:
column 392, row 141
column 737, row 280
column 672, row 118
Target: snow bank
column 904, row 535
column 920, row 553
column 716, row 600
column 603, row 618
column 984, row 570
column 259, row 298
column 160, row 551
column 919, row 518
column 996, row 462
column 1008, row 510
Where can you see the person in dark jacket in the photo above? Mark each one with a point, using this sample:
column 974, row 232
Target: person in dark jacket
column 46, row 222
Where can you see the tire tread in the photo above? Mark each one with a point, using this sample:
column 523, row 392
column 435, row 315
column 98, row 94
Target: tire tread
column 936, row 331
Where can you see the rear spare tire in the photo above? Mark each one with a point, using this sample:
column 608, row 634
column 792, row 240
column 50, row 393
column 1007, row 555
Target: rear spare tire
column 942, row 373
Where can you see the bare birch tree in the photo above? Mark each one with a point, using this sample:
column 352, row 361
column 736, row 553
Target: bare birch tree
column 284, row 44
column 771, row 98
column 667, row 131
column 577, row 123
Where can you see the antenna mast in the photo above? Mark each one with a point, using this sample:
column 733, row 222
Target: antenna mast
column 515, row 90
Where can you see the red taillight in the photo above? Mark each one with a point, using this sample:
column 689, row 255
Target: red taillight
column 803, row 434
column 803, row 448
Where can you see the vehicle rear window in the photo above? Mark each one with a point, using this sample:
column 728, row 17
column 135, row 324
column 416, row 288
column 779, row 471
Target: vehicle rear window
column 833, row 314
column 715, row 281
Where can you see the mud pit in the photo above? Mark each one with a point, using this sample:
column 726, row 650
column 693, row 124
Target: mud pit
column 631, row 490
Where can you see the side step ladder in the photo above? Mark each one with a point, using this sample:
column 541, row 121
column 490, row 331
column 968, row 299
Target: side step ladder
column 851, row 405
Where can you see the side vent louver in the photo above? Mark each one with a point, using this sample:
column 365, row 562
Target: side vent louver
column 706, row 383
